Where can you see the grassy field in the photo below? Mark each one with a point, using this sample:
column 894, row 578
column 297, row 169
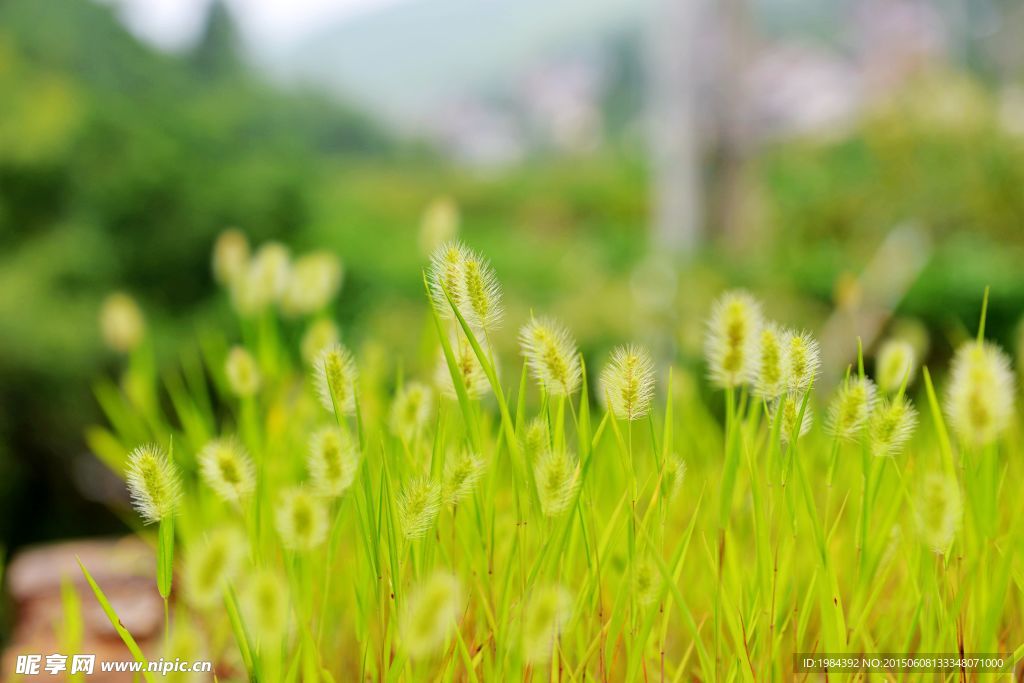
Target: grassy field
column 553, row 516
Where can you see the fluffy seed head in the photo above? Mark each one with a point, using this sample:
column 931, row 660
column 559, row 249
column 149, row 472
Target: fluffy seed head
column 321, row 334
column 672, row 477
column 891, row 425
column 851, row 408
column 627, row 382
column 770, row 379
column 546, row 613
column 153, row 483
column 551, row 354
column 939, row 511
column 446, row 272
column 301, row 519
column 440, row 223
column 121, row 322
column 335, row 374
column 646, row 581
column 333, row 460
column 265, row 604
column 431, row 614
column 418, row 505
column 895, row 360
column 411, row 410
column 734, row 330
column 230, row 256
column 211, row 564
column 790, row 405
column 242, row 373
column 557, row 478
column 264, row 281
column 312, row 283
column 483, row 307
column 468, row 366
column 461, row 473
column 803, row 359
column 538, row 436
column 979, row 399
column 227, row 470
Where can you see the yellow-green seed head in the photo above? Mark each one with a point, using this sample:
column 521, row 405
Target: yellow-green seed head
column 212, row 564
column 230, row 256
column 418, row 506
column 321, row 334
column 731, row 344
column 891, row 425
column 301, row 519
column 440, row 224
column 672, row 477
column 627, row 382
column 333, row 461
column 979, row 399
column 939, row 510
column 242, row 373
column 803, row 359
column 264, row 281
column 153, row 483
column 411, row 410
column 265, row 605
column 538, row 436
column 557, row 477
column 894, row 362
column 551, row 355
column 446, row 272
column 227, row 470
column 431, row 614
column 851, row 408
column 787, row 409
column 482, row 304
column 312, row 283
column 468, row 365
column 646, row 582
column 772, row 373
column 546, row 613
column 121, row 322
column 461, row 473
column 335, row 374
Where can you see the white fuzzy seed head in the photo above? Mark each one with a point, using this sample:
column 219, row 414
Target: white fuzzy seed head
column 469, row 368
column 557, row 476
column 230, row 256
column 335, row 374
column 673, row 476
column 411, row 410
column 461, row 474
column 264, row 280
column 772, row 372
column 551, row 355
column 483, row 306
column 787, row 409
column 242, row 373
column 228, row 470
column 153, row 483
column 894, row 362
column 891, row 425
column 121, row 323
column 313, row 281
column 546, row 613
column 803, row 360
column 321, row 334
column 733, row 335
column 851, row 408
column 301, row 519
column 212, row 564
column 418, row 506
column 265, row 605
column 979, row 398
column 333, row 460
column 939, row 510
column 627, row 382
column 446, row 273
column 431, row 614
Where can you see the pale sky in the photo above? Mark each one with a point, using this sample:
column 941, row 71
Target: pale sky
column 269, row 24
